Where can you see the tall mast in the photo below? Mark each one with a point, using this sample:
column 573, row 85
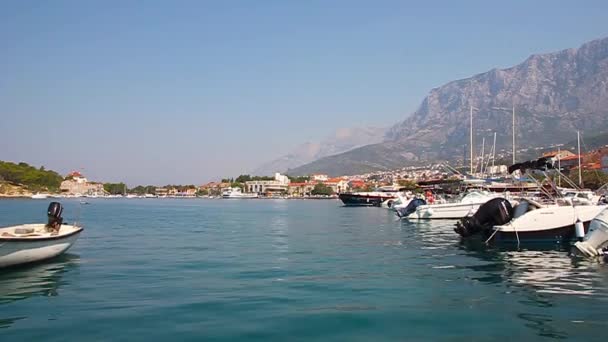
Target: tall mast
column 513, row 133
column 471, row 140
column 483, row 155
column 493, row 153
column 559, row 167
column 580, row 176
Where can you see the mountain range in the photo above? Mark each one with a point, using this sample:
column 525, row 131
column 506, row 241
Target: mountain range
column 554, row 95
column 342, row 140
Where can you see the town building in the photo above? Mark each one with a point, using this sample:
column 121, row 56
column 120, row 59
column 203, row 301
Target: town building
column 301, row 189
column 280, row 185
column 76, row 184
column 338, row 185
column 319, row 178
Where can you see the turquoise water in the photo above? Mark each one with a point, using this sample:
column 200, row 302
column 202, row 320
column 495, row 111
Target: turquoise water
column 288, row 270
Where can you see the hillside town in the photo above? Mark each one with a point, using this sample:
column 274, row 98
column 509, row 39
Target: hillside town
column 75, row 184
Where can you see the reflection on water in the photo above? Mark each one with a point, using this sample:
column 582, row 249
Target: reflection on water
column 557, row 293
column 37, row 280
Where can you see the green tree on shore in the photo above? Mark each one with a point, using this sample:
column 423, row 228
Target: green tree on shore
column 322, row 189
column 34, row 179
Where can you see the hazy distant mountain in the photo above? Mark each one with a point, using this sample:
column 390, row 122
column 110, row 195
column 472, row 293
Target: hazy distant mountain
column 342, row 140
column 554, row 95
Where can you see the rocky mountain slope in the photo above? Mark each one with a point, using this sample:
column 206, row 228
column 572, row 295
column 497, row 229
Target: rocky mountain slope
column 341, row 140
column 554, row 95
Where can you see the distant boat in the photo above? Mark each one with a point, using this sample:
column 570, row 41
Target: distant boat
column 236, row 193
column 40, row 196
column 29, row 243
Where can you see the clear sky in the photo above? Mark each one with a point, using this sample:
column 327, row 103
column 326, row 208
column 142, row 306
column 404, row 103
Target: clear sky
column 161, row 92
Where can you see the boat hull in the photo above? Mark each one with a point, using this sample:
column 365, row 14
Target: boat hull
column 15, row 252
column 362, row 200
column 444, row 211
column 559, row 235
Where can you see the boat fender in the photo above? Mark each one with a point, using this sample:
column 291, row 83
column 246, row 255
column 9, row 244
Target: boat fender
column 389, row 203
column 579, row 229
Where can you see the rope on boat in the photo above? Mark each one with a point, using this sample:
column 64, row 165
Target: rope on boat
column 491, row 236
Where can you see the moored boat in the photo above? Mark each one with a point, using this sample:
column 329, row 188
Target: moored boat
column 30, row 243
column 236, row 193
column 466, row 205
column 371, row 198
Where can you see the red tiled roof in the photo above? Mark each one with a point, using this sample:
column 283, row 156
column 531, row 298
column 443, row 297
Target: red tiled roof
column 574, row 157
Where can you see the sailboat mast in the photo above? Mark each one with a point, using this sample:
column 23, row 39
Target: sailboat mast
column 580, row 176
column 513, row 133
column 559, row 167
column 493, row 153
column 483, row 155
column 471, row 139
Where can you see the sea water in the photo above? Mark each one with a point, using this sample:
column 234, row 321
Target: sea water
column 288, row 270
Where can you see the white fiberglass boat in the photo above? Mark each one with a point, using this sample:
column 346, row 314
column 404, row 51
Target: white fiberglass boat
column 467, row 205
column 534, row 222
column 236, row 193
column 40, row 196
column 529, row 221
column 29, row 243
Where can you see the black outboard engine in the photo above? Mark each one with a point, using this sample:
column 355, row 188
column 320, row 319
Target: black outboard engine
column 411, row 207
column 495, row 212
column 54, row 216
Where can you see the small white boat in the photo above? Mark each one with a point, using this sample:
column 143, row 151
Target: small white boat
column 40, row 196
column 467, row 205
column 30, row 243
column 236, row 193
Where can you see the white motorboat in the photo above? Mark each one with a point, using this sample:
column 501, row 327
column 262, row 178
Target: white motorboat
column 40, row 196
column 236, row 193
column 465, row 206
column 401, row 201
column 29, row 243
column 529, row 221
column 534, row 222
column 595, row 242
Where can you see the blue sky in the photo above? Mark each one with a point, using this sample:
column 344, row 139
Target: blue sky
column 160, row 92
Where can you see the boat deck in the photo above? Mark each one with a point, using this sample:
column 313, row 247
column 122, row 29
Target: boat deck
column 36, row 231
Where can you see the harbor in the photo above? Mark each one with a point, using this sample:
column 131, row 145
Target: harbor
column 167, row 268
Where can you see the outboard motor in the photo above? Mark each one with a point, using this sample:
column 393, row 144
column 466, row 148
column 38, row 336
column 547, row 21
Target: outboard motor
column 596, row 240
column 54, row 216
column 497, row 211
column 411, row 207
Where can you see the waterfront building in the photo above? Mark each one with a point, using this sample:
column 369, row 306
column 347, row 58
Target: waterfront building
column 301, row 189
column 76, row 184
column 338, row 185
column 319, row 177
column 280, row 185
